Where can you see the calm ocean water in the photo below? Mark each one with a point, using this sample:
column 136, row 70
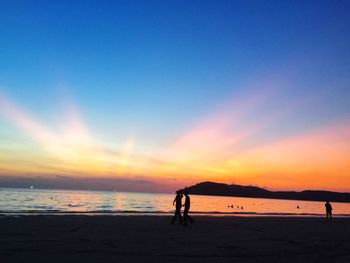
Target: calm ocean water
column 23, row 201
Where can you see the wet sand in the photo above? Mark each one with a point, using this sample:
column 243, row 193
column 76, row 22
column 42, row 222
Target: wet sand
column 154, row 239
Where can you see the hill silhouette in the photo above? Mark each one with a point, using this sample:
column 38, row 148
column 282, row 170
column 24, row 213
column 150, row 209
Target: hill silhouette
column 219, row 189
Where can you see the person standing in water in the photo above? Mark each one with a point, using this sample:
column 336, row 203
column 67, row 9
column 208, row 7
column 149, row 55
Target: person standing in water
column 178, row 204
column 328, row 210
column 187, row 206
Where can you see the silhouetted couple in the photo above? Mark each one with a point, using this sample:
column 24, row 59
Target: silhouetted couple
column 178, row 204
column 328, row 210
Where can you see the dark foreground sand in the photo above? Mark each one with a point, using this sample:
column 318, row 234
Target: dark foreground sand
column 154, row 239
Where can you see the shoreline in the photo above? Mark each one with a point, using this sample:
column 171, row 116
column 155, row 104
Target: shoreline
column 164, row 214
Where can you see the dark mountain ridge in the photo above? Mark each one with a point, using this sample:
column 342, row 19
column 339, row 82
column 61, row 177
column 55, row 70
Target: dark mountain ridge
column 219, row 189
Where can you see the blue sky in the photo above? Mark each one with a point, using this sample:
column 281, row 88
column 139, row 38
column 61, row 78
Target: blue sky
column 134, row 53
column 155, row 68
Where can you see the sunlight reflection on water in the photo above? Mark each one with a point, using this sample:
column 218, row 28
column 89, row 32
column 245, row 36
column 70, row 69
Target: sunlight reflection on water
column 24, row 201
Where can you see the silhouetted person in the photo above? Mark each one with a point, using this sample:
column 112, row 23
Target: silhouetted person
column 187, row 206
column 178, row 204
column 328, row 210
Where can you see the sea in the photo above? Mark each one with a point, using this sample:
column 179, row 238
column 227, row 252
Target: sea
column 60, row 202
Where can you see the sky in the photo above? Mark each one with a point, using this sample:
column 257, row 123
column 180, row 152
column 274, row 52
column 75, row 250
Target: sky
column 153, row 96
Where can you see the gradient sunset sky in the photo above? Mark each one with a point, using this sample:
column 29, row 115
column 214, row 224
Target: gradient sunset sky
column 158, row 95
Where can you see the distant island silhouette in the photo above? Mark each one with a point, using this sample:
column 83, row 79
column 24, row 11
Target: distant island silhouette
column 219, row 189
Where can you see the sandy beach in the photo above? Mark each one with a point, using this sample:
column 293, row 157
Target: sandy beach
column 75, row 238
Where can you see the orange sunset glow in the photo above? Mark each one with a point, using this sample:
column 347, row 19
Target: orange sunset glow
column 217, row 148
